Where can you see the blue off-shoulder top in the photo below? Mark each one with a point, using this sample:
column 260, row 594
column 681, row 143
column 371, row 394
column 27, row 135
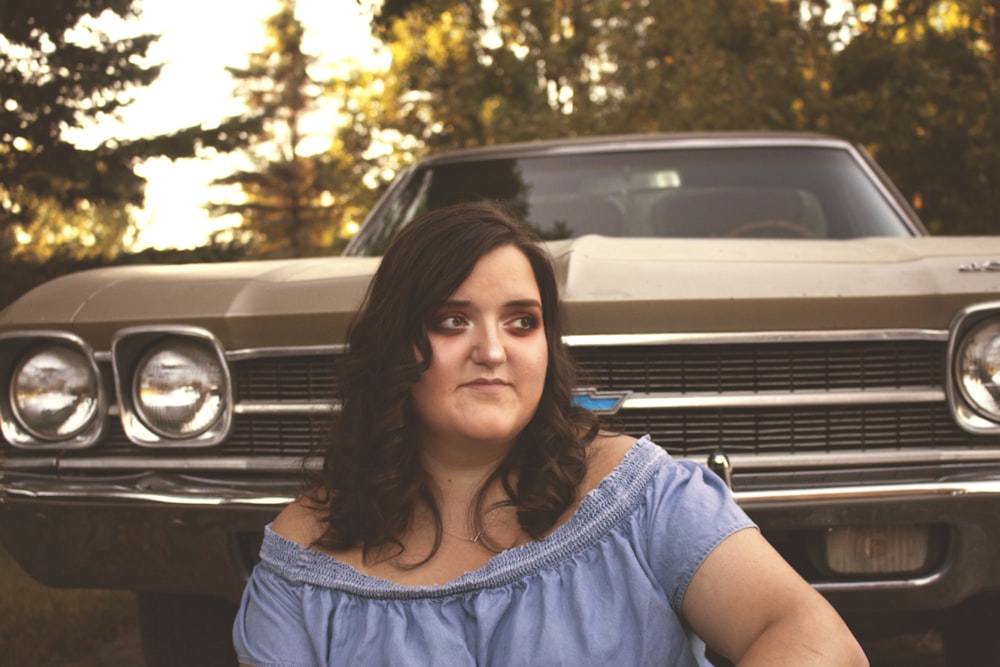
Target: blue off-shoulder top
column 604, row 588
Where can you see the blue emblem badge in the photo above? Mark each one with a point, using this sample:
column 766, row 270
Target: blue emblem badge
column 601, row 402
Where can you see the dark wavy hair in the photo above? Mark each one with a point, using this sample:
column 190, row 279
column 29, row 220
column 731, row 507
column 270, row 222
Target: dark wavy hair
column 371, row 480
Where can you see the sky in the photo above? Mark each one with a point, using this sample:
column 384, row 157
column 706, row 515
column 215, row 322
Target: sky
column 199, row 38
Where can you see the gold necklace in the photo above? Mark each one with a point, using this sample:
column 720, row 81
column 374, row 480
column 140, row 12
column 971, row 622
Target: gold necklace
column 482, row 532
column 478, row 536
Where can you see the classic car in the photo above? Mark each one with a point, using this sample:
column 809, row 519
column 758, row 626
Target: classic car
column 766, row 304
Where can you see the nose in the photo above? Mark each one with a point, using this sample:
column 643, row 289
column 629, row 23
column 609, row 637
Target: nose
column 489, row 349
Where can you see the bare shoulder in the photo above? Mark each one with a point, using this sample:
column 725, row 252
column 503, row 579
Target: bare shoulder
column 604, row 455
column 300, row 522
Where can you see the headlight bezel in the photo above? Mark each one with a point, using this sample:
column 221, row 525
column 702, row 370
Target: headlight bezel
column 16, row 349
column 971, row 414
column 129, row 348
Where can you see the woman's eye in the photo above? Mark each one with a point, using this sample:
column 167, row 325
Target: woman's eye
column 450, row 323
column 524, row 323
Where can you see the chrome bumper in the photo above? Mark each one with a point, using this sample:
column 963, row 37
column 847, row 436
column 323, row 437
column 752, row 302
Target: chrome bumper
column 195, row 522
column 147, row 487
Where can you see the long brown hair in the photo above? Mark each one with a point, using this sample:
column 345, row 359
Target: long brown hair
column 371, row 480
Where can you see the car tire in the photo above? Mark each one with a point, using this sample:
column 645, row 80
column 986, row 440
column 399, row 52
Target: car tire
column 186, row 630
column 969, row 633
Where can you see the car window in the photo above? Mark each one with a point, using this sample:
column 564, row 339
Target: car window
column 810, row 193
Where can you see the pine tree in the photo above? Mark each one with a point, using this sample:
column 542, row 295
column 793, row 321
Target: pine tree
column 58, row 73
column 290, row 202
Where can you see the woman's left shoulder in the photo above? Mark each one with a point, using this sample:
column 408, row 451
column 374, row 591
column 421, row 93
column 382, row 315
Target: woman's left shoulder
column 604, row 454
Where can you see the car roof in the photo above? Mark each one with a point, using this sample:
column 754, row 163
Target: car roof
column 637, row 142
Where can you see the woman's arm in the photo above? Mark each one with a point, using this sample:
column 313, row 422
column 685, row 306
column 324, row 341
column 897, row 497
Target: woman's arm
column 749, row 605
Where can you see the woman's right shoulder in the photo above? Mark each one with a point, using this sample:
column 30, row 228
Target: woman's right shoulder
column 301, row 522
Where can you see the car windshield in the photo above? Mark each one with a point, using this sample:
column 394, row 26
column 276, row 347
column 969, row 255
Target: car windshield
column 797, row 192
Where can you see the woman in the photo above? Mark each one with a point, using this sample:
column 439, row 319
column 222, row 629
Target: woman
column 468, row 514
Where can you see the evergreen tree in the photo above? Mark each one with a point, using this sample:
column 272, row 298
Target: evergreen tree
column 292, row 201
column 59, row 73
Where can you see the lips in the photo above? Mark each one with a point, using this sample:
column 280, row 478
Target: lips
column 486, row 384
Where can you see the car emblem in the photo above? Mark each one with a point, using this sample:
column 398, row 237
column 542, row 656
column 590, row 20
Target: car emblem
column 601, row 402
column 991, row 265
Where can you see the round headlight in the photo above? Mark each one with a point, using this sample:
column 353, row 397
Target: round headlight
column 180, row 388
column 978, row 369
column 54, row 392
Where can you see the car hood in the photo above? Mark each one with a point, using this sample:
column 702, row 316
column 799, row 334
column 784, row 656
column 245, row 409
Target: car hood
column 609, row 286
column 716, row 285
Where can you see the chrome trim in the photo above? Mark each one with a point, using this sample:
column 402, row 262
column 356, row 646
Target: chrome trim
column 34, row 463
column 965, row 414
column 888, row 189
column 126, row 350
column 616, row 143
column 742, row 463
column 201, row 464
column 878, row 585
column 845, row 335
column 975, row 267
column 150, row 488
column 166, row 488
column 638, row 401
column 871, row 492
column 288, row 408
column 719, row 463
column 787, row 461
column 15, row 433
column 284, row 351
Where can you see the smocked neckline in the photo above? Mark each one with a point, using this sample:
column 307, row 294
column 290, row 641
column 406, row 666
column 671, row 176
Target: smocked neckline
column 604, row 507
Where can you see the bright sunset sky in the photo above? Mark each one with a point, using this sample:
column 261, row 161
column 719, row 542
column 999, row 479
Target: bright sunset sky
column 199, row 38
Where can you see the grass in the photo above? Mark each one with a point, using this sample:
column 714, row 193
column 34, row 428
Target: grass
column 51, row 626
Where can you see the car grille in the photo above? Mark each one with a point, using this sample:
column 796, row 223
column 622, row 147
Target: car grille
column 778, row 370
column 720, row 372
column 762, row 367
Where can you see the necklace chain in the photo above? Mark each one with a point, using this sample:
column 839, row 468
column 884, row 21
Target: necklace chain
column 474, row 539
column 478, row 536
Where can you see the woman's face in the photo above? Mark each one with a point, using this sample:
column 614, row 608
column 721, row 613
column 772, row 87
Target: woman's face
column 489, row 356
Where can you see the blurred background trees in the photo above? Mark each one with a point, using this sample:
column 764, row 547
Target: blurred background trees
column 914, row 81
column 289, row 197
column 60, row 73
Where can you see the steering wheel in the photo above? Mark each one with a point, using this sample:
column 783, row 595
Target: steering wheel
column 771, row 229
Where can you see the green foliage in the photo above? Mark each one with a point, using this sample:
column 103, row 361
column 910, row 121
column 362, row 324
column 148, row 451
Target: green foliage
column 918, row 86
column 51, row 80
column 534, row 69
column 915, row 81
column 292, row 201
column 60, row 73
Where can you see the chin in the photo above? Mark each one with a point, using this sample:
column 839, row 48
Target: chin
column 493, row 433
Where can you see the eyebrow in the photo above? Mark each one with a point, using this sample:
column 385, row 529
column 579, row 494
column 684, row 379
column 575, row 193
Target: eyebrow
column 514, row 303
